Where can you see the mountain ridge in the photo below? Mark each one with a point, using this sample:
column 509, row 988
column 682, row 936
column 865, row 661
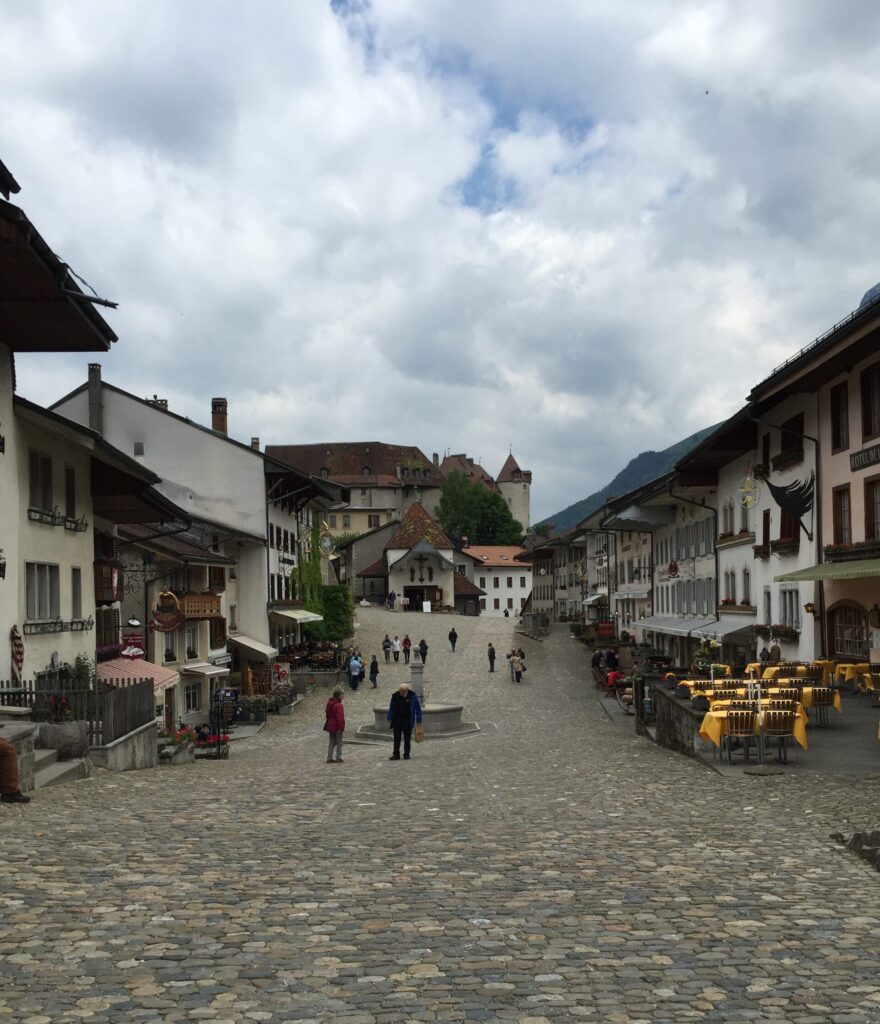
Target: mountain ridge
column 642, row 469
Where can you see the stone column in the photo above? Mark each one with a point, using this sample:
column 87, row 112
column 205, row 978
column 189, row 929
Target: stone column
column 417, row 673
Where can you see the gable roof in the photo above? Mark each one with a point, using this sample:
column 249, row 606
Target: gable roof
column 465, row 465
column 495, row 555
column 417, row 526
column 510, row 469
column 462, row 587
column 346, row 462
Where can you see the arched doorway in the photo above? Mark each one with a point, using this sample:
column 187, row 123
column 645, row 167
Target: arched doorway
column 848, row 632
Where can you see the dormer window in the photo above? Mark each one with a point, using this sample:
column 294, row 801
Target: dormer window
column 366, row 471
column 404, row 473
column 324, row 472
column 416, row 474
column 427, row 474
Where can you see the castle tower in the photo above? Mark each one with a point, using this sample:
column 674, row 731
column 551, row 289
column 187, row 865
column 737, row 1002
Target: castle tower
column 515, row 485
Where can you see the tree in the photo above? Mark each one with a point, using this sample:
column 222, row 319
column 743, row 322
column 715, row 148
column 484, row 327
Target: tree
column 541, row 530
column 467, row 509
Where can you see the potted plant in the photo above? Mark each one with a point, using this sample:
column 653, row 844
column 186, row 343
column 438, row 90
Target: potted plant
column 704, row 656
column 191, row 653
column 178, row 747
column 169, row 654
column 727, row 601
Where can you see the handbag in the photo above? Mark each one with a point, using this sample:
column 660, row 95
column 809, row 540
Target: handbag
column 419, row 733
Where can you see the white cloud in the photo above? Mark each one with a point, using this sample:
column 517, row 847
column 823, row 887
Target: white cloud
column 459, row 225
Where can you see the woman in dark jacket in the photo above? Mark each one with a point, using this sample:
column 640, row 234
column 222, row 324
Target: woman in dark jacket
column 334, row 725
column 423, row 649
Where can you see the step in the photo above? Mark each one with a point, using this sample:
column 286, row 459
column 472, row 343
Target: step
column 59, row 771
column 43, row 757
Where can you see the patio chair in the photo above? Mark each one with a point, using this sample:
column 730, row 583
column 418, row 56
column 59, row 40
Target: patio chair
column 823, row 699
column 788, row 693
column 779, row 725
column 743, row 704
column 741, row 726
column 782, row 705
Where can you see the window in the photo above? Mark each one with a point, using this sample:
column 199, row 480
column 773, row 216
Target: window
column 747, row 587
column 743, row 519
column 324, row 473
column 842, row 515
column 765, row 527
column 871, row 402
column 346, row 521
column 790, row 607
column 69, row 492
column 840, row 417
column 461, row 570
column 372, row 521
column 482, row 604
column 496, row 604
column 496, row 582
column 42, row 592
column 427, row 474
column 404, row 473
column 287, row 540
column 40, row 482
column 217, row 631
column 872, row 509
column 482, row 583
column 363, row 493
column 849, row 632
column 106, row 627
column 192, row 640
column 192, row 697
column 792, row 439
column 170, row 646
column 417, row 474
column 788, row 526
column 510, row 602
column 522, row 603
column 216, row 579
column 331, row 522
column 365, row 472
column 522, row 581
column 510, row 583
column 76, row 593
column 138, row 449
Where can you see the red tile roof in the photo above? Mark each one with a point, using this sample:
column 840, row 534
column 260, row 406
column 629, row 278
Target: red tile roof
column 509, row 472
column 418, row 525
column 495, row 555
column 465, row 465
column 389, row 465
column 377, row 569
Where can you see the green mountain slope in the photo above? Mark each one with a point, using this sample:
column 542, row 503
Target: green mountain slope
column 641, row 470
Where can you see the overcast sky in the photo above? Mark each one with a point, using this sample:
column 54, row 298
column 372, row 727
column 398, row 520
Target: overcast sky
column 581, row 228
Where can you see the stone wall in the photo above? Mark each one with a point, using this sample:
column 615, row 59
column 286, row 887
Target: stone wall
column 677, row 724
column 22, row 737
column 139, row 749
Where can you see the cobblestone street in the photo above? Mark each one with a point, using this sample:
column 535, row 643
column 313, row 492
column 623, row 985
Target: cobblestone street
column 553, row 867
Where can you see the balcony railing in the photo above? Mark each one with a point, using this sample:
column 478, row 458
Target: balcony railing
column 200, row 606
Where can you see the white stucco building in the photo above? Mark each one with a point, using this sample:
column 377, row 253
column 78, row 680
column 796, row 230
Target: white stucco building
column 507, row 583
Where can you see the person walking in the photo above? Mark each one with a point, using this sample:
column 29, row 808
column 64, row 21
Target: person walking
column 386, row 649
column 491, row 657
column 423, row 650
column 511, row 655
column 354, row 671
column 374, row 672
column 334, row 726
column 516, row 666
column 395, row 647
column 10, row 787
column 407, row 648
column 611, row 660
column 404, row 712
column 453, row 638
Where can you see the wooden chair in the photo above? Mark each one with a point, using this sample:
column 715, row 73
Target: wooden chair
column 782, row 705
column 788, row 693
column 779, row 725
column 741, row 726
column 823, row 699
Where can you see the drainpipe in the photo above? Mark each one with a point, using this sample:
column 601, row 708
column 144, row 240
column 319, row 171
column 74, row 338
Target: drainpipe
column 817, row 532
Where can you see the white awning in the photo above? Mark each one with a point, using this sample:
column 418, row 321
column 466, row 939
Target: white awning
column 298, row 615
column 202, row 668
column 126, row 669
column 727, row 627
column 677, row 626
column 596, row 599
column 264, row 650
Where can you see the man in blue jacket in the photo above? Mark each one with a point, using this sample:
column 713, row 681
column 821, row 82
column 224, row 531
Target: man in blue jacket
column 404, row 712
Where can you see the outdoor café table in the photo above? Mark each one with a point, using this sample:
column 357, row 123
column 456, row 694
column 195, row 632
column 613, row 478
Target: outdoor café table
column 849, row 673
column 714, row 724
column 754, row 666
column 828, row 668
column 867, row 683
column 807, row 696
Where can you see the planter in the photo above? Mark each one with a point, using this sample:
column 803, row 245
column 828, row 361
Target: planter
column 785, row 633
column 785, row 546
column 761, row 551
column 763, row 632
column 177, row 755
column 788, row 457
column 285, row 709
column 852, row 552
column 739, row 609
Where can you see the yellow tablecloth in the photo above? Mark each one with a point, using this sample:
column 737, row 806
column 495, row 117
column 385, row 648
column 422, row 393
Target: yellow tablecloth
column 755, row 666
column 867, row 682
column 714, row 725
column 847, row 672
column 807, row 696
column 828, row 668
column 772, row 671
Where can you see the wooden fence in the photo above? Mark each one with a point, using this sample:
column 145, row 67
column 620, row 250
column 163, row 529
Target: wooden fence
column 112, row 708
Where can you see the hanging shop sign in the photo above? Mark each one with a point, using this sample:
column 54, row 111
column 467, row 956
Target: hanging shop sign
column 167, row 615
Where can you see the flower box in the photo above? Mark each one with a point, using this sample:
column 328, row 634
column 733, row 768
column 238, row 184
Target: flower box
column 787, row 457
column 852, row 552
column 738, row 609
column 729, row 540
column 785, row 545
column 785, row 633
column 761, row 551
column 762, row 631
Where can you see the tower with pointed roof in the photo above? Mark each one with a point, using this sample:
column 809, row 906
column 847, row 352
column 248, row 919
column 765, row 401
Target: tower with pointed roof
column 515, row 485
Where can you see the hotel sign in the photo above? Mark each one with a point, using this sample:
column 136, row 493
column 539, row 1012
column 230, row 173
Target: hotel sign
column 865, row 458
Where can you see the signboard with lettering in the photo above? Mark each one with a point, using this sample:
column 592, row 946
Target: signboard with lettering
column 167, row 615
column 866, row 458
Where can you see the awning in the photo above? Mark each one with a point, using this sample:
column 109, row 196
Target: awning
column 298, row 615
column 202, row 668
column 726, row 627
column 862, row 569
column 126, row 669
column 635, row 595
column 677, row 626
column 596, row 599
column 264, row 650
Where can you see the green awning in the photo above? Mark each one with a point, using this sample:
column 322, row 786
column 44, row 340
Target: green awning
column 859, row 570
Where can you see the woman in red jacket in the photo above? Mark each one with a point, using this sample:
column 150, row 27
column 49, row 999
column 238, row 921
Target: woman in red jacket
column 335, row 726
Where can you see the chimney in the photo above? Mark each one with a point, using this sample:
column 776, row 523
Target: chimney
column 218, row 414
column 96, row 399
column 436, row 459
column 255, row 443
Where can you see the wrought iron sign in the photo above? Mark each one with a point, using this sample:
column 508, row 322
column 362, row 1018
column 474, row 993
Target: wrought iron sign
column 59, row 626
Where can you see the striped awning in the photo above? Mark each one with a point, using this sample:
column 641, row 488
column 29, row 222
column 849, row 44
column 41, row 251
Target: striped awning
column 862, row 569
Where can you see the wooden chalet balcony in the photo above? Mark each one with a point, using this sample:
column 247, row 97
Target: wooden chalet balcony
column 200, row 606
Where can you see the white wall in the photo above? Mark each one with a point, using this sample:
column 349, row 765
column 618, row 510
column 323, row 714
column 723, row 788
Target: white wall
column 9, row 510
column 510, row 598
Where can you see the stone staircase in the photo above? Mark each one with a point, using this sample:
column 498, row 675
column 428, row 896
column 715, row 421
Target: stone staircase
column 49, row 771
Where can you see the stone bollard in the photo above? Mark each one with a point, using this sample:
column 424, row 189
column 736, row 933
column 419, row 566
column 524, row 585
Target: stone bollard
column 417, row 676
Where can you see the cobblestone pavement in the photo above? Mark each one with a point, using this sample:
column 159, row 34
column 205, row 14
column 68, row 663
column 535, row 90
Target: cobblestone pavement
column 551, row 868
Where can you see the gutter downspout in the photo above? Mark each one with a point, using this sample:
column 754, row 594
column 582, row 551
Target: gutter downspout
column 817, row 533
column 714, row 511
